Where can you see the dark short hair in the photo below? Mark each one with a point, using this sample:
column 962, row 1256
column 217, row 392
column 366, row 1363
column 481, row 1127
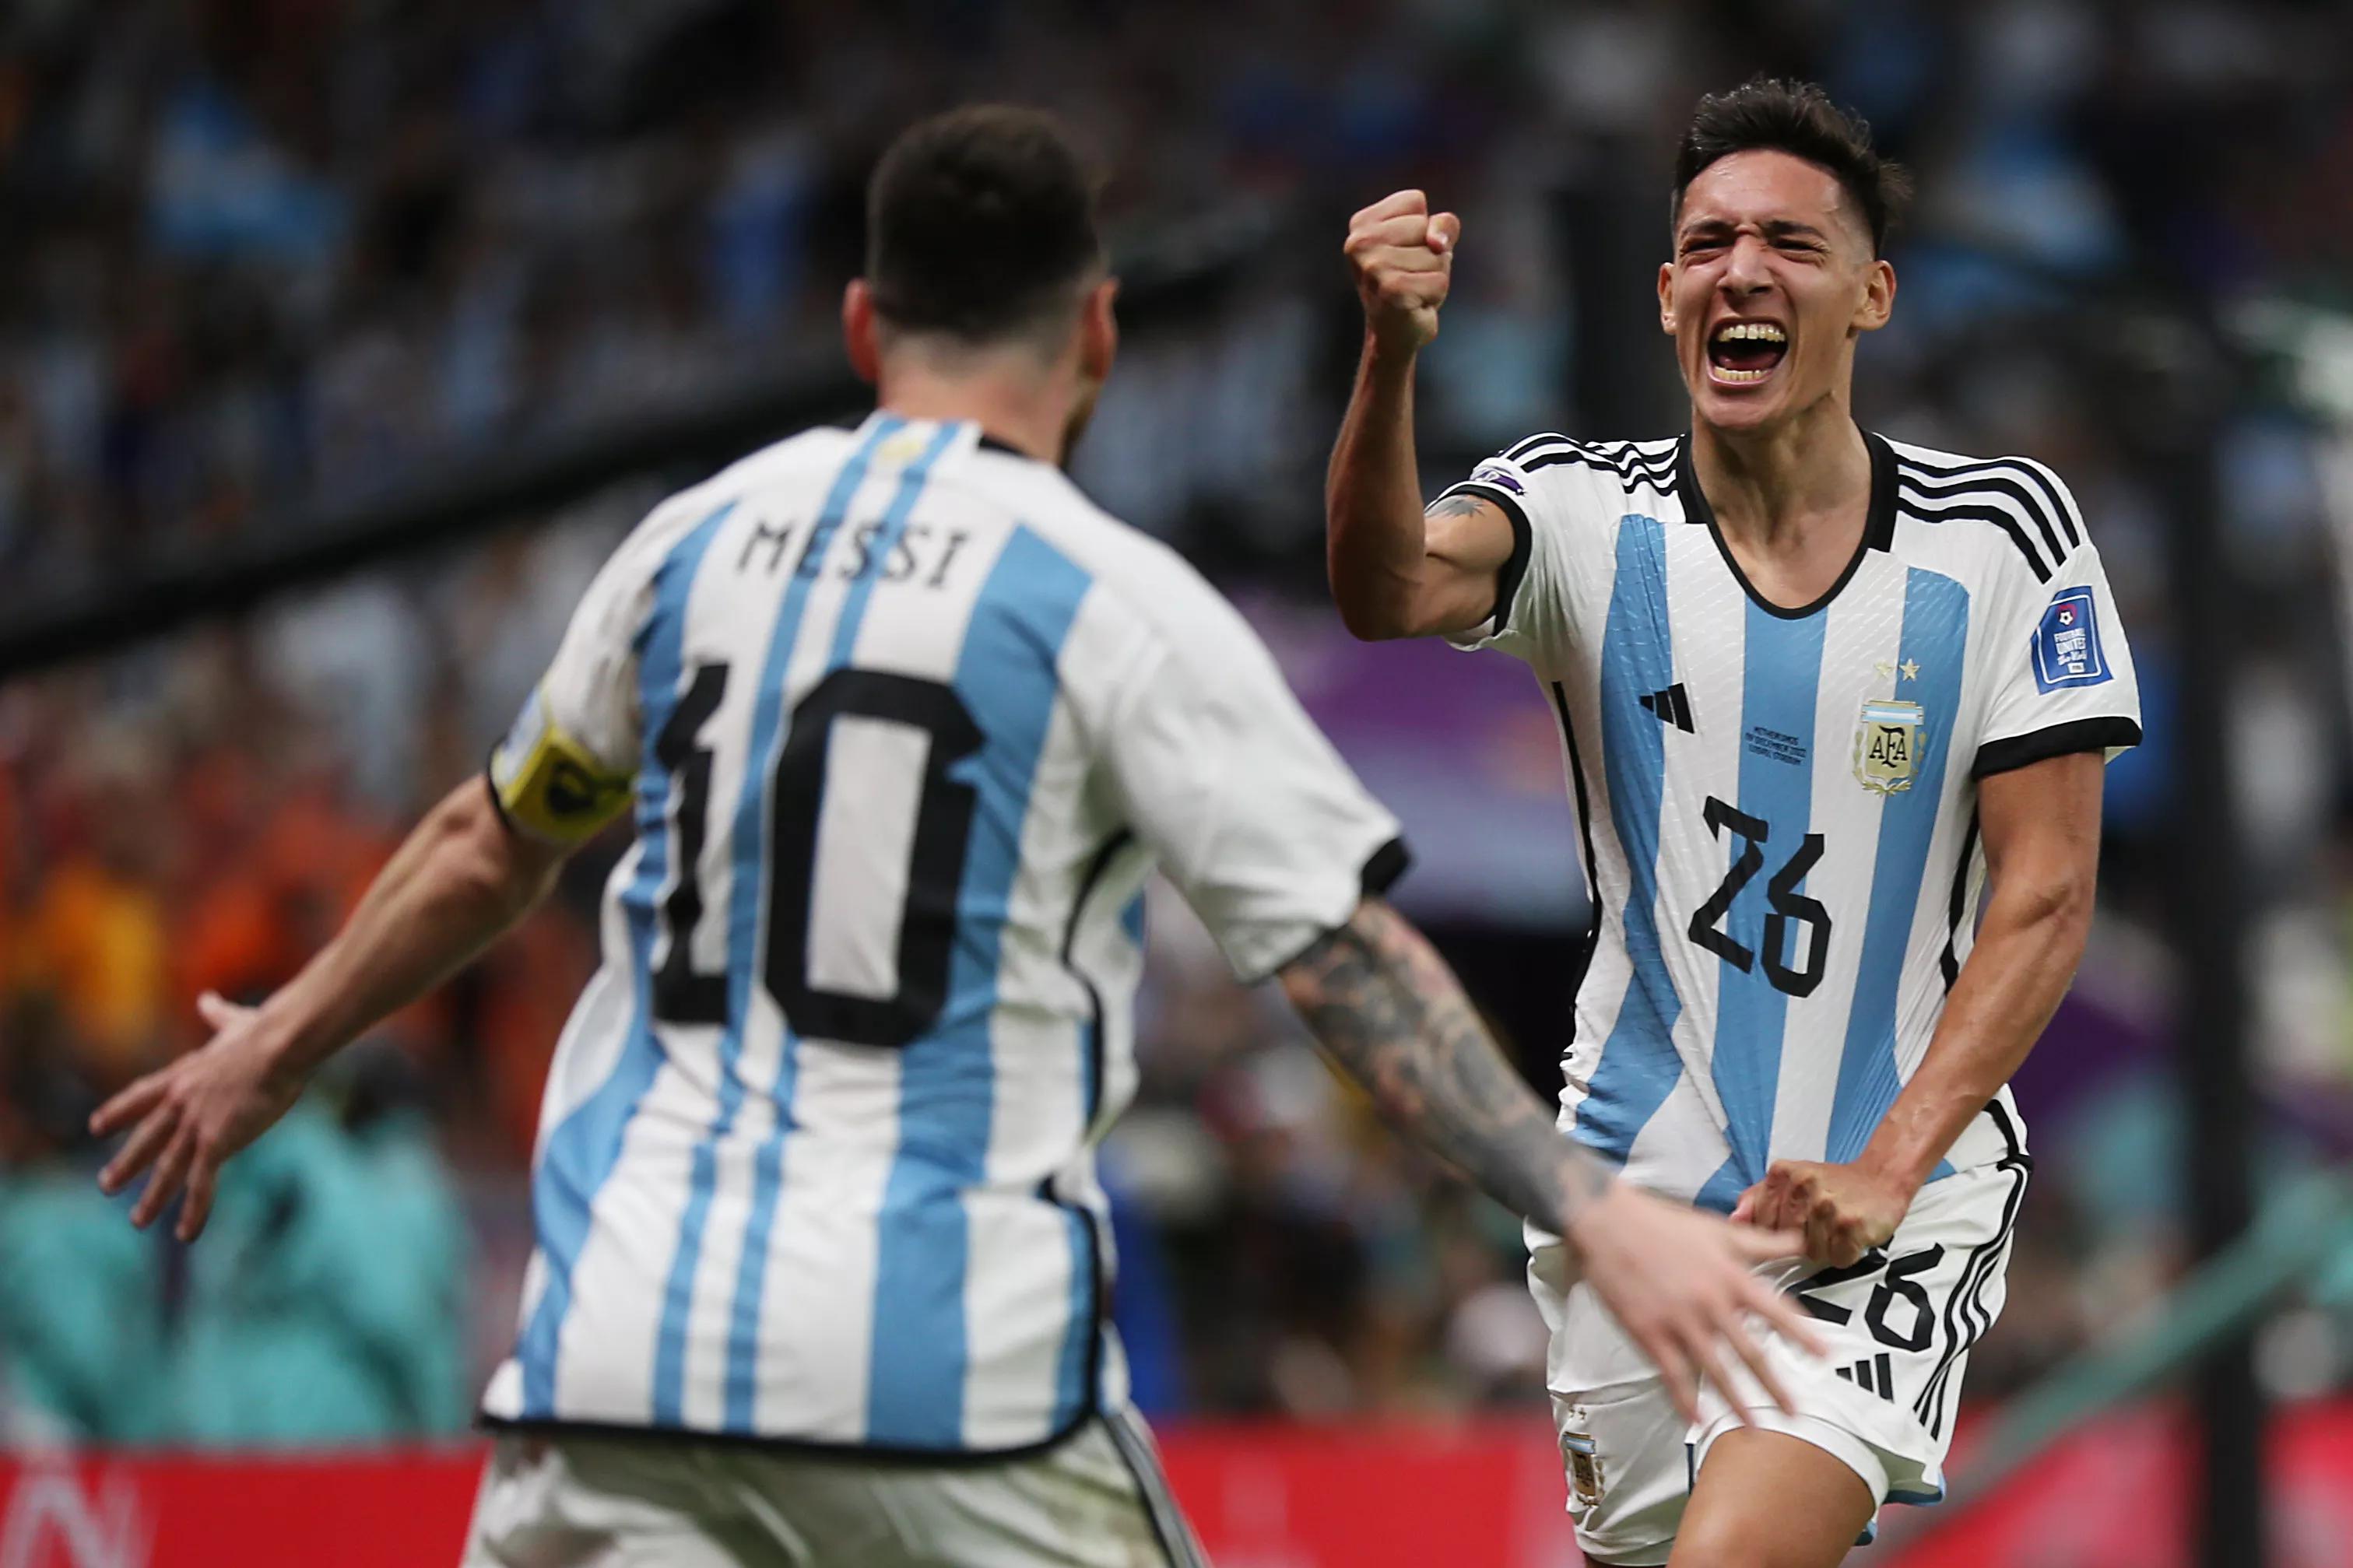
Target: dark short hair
column 979, row 223
column 1796, row 118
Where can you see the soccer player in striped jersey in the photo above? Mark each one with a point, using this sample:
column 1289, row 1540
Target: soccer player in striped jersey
column 1814, row 688
column 903, row 721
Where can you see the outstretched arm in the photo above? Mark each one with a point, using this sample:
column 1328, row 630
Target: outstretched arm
column 1394, row 570
column 1385, row 1006
column 462, row 878
column 2041, row 826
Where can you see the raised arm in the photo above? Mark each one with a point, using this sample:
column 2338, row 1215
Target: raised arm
column 461, row 878
column 1394, row 570
column 1386, row 1008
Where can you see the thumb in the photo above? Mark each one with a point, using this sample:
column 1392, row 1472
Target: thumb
column 1744, row 1210
column 1444, row 231
column 218, row 1010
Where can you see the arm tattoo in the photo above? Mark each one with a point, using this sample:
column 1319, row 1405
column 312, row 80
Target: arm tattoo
column 1455, row 506
column 1384, row 1006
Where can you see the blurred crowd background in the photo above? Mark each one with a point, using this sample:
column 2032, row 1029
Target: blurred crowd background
column 264, row 258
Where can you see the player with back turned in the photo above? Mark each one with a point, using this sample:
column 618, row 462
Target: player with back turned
column 1815, row 688
column 904, row 721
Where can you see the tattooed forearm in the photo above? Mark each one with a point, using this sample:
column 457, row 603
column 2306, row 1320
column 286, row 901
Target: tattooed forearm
column 1385, row 1006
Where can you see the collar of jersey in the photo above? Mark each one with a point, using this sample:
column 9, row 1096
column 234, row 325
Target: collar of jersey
column 1878, row 526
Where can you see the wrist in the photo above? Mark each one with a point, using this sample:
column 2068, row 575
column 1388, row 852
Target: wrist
column 1391, row 354
column 1904, row 1170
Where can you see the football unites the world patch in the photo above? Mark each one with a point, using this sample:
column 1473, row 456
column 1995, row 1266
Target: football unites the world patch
column 2066, row 648
column 1887, row 745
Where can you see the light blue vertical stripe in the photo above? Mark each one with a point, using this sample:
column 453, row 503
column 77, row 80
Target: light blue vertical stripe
column 583, row 1148
column 1780, row 686
column 1935, row 637
column 1638, row 1067
column 1006, row 677
column 751, row 1266
column 747, row 841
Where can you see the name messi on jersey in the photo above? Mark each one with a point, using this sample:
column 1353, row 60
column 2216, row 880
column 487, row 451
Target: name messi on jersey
column 920, row 554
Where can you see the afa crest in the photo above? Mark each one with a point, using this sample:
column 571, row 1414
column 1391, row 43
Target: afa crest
column 1577, row 1451
column 1887, row 745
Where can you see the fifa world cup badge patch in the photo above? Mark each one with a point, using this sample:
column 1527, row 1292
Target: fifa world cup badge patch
column 2067, row 643
column 1887, row 745
column 1577, row 1452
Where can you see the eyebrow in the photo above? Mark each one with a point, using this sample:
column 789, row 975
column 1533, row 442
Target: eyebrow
column 1774, row 229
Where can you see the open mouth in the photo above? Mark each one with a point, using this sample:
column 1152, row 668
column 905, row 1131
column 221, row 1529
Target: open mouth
column 1739, row 352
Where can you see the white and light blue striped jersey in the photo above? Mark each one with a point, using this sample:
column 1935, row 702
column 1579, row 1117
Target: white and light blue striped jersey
column 1779, row 807
column 905, row 721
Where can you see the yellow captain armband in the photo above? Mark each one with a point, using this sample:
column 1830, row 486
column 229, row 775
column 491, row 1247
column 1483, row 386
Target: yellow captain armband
column 548, row 785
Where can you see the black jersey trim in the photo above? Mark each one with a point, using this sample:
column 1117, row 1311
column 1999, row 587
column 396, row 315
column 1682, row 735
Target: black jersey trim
column 1992, row 514
column 1514, row 569
column 1931, row 493
column 1878, row 526
column 1170, row 1529
column 1382, row 869
column 1591, row 941
column 2061, row 505
column 800, row 1447
column 1969, row 1286
column 1949, row 961
column 1098, row 1255
column 2057, row 741
column 1632, row 466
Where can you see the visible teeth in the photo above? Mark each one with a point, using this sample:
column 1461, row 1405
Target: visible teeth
column 1758, row 332
column 1722, row 375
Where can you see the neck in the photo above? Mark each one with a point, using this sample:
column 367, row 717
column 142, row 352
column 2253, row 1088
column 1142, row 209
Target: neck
column 1771, row 485
column 1023, row 405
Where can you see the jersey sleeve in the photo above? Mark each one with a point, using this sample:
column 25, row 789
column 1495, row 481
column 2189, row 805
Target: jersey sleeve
column 1248, row 810
column 567, row 764
column 2063, row 671
column 1531, row 617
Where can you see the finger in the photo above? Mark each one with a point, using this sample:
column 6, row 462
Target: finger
column 1409, row 233
column 1744, row 1211
column 1787, row 1319
column 1768, row 1246
column 164, row 1185
column 1821, row 1224
column 1753, row 1353
column 1391, row 205
column 1711, row 1369
column 136, row 1155
column 1445, row 230
column 218, row 1011
column 202, row 1175
column 1675, row 1371
column 128, row 1105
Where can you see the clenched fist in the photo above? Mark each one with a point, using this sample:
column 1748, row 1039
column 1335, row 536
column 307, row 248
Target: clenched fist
column 1403, row 256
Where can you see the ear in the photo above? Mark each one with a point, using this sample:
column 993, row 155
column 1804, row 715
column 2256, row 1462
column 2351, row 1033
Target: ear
column 1667, row 298
column 858, row 333
column 1878, row 298
column 1099, row 330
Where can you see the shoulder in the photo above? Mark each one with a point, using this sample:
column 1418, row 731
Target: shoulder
column 2013, row 508
column 1569, row 480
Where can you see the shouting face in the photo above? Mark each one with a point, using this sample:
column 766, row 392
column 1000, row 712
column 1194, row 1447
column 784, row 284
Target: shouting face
column 1772, row 281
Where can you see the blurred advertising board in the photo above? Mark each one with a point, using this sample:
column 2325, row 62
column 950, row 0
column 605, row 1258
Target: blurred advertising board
column 1485, row 1494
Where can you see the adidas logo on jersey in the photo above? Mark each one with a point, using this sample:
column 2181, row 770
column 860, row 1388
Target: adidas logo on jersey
column 1671, row 708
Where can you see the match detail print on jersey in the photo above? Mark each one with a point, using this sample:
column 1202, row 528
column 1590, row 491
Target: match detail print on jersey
column 1780, row 800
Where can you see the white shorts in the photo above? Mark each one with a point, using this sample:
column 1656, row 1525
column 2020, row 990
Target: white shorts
column 1899, row 1325
column 1097, row 1499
